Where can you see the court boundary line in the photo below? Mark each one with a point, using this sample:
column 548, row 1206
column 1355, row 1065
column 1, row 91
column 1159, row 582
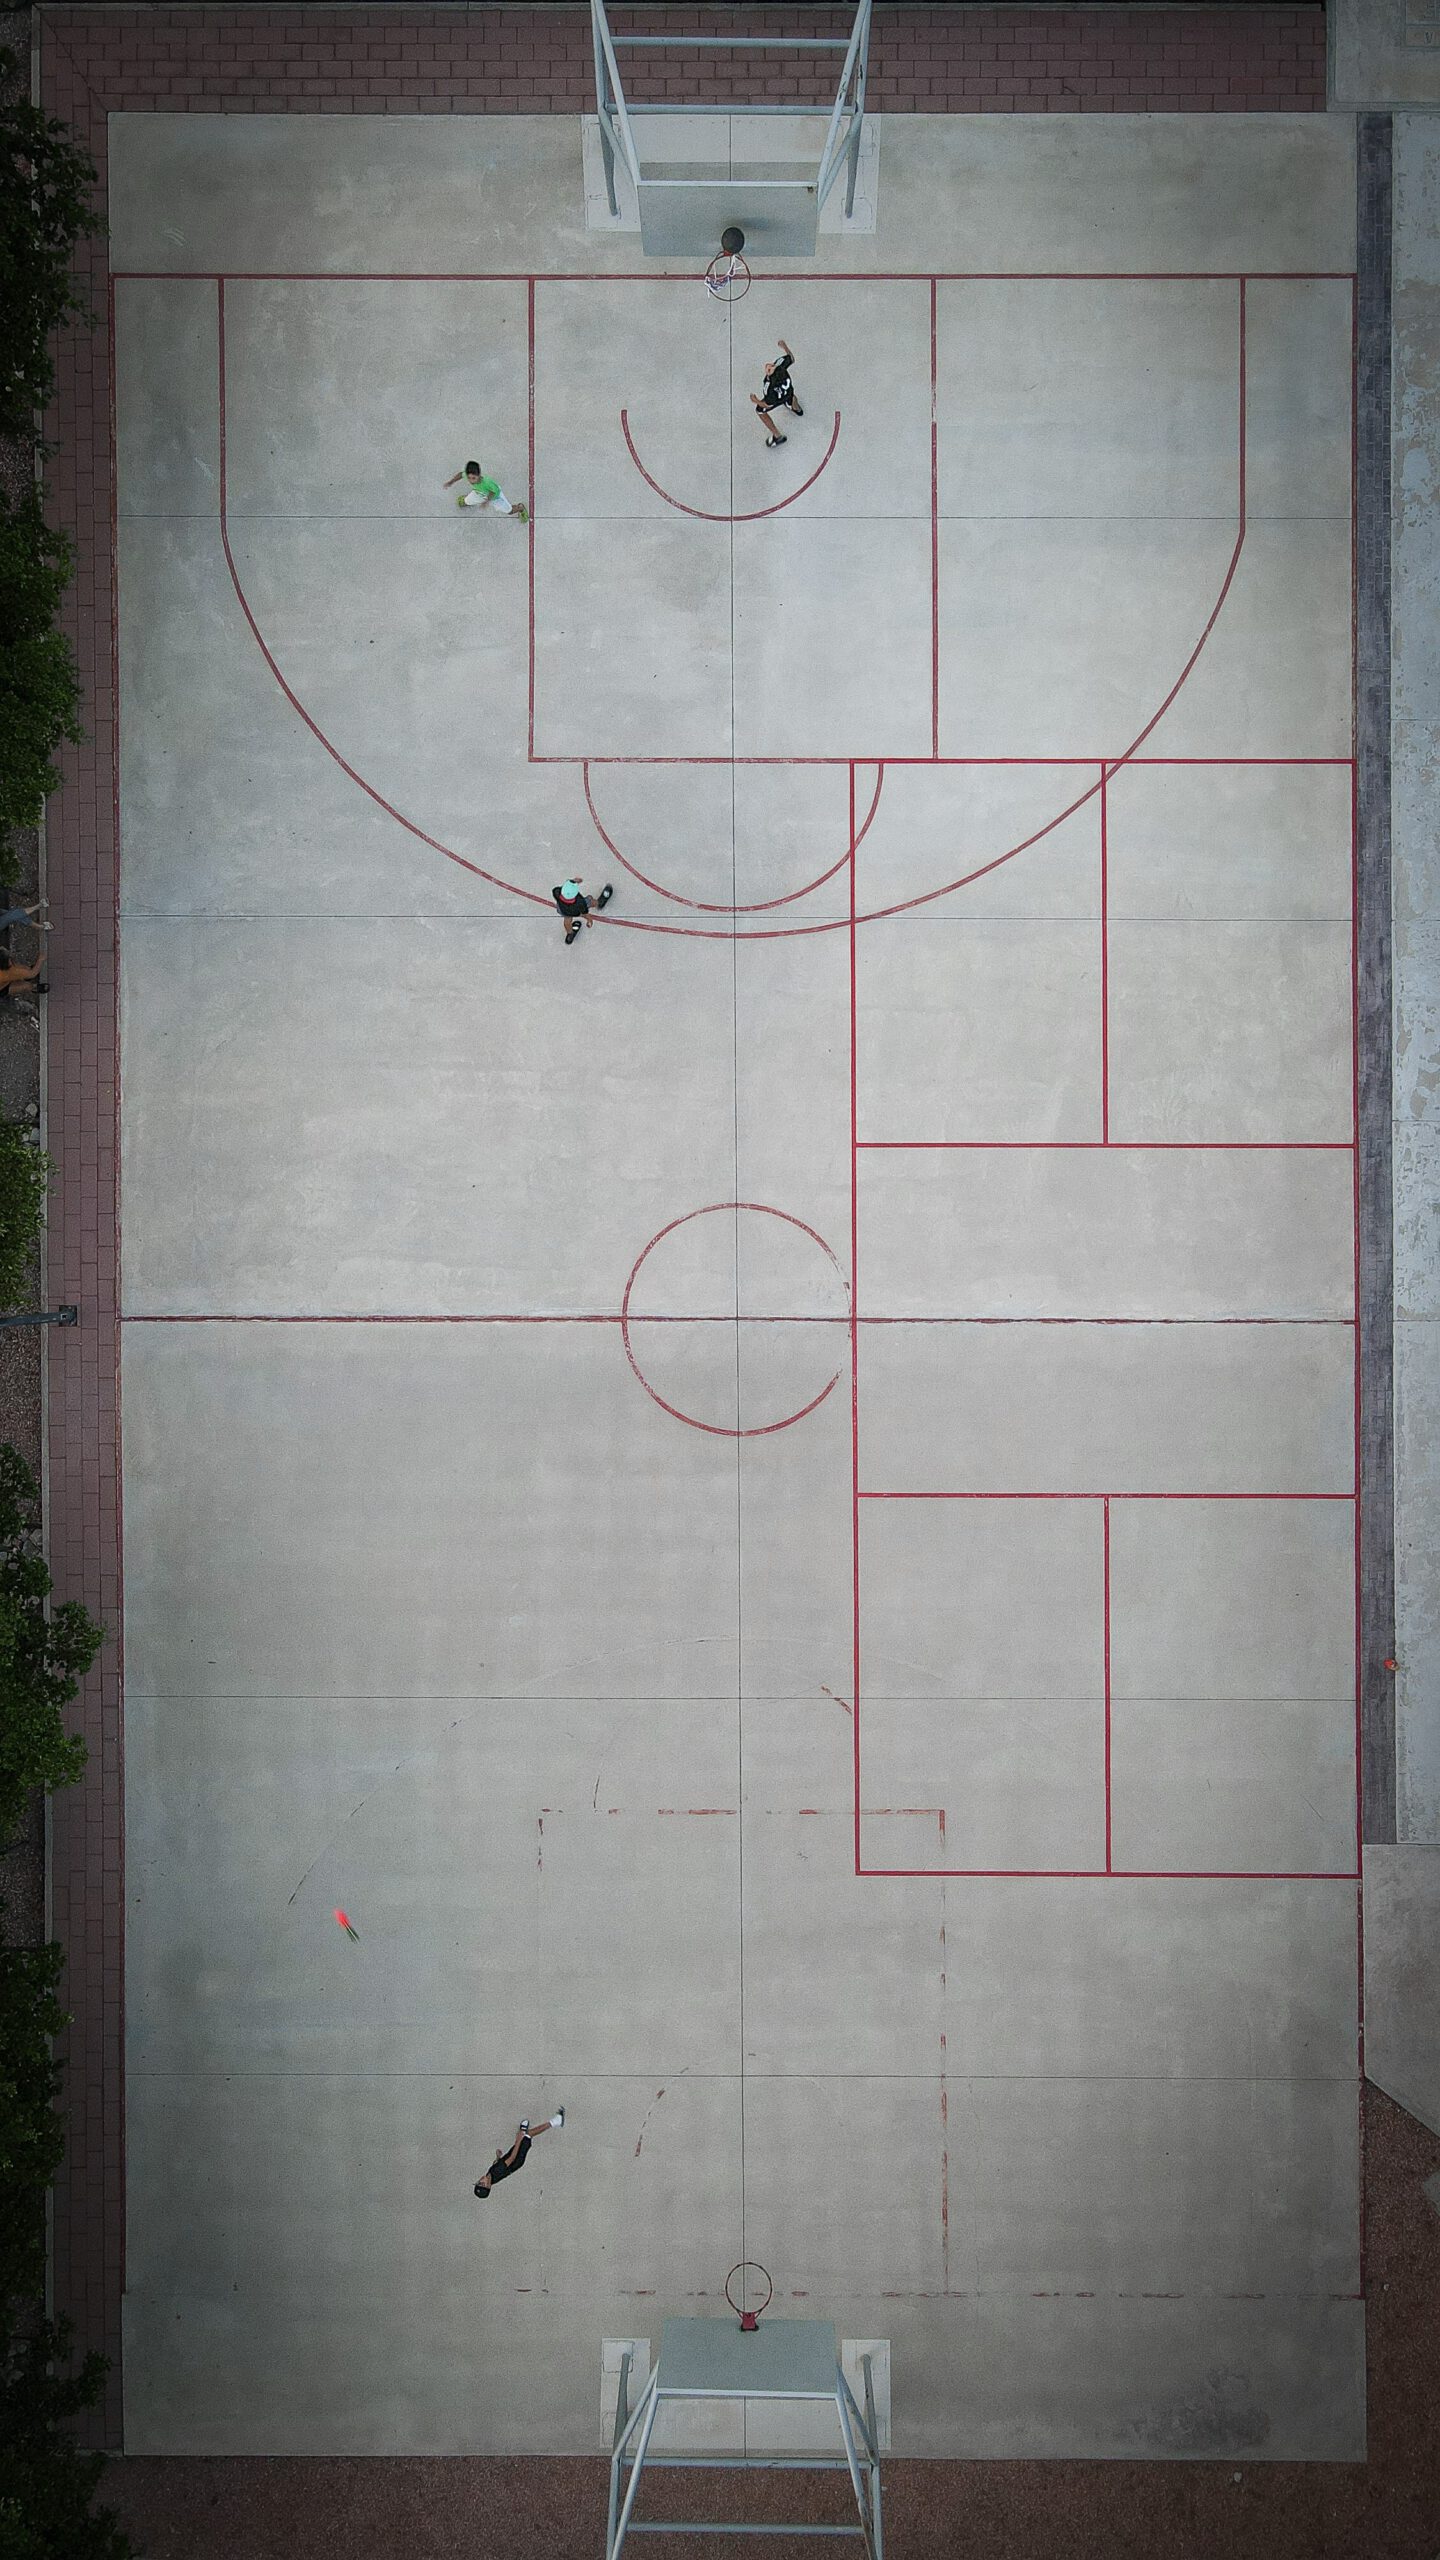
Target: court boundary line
column 1104, row 767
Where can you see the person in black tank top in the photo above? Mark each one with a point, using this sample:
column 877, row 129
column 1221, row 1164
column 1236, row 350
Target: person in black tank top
column 779, row 393
column 505, row 2163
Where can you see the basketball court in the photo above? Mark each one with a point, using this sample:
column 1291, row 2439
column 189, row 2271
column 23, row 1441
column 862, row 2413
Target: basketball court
column 766, row 1502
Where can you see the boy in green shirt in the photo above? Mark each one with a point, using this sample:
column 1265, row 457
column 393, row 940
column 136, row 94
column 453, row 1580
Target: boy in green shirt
column 481, row 491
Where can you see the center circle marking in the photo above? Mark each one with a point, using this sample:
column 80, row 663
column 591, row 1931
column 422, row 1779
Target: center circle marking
column 724, row 1430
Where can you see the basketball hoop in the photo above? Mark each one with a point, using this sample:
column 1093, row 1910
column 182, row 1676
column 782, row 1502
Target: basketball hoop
column 748, row 2319
column 727, row 275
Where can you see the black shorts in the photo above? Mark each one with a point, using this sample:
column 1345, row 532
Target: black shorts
column 499, row 2167
column 571, row 908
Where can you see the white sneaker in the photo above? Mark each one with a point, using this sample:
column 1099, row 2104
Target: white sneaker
column 558, row 2121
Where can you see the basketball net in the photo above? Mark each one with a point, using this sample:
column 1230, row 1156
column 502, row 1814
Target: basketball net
column 726, row 278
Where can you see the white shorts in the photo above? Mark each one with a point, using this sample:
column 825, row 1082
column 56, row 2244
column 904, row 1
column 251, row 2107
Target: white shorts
column 498, row 506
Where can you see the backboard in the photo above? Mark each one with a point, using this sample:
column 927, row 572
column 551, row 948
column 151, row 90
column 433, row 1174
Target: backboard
column 712, row 166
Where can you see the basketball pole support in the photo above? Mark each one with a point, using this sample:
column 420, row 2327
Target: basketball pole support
column 847, row 115
column 859, row 2436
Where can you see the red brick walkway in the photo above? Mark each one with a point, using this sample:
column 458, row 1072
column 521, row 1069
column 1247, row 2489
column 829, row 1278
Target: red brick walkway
column 405, row 61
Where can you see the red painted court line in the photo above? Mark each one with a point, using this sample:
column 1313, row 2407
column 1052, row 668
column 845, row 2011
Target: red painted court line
column 1022, row 764
column 854, row 1358
column 1112, row 1146
column 709, row 907
column 1130, row 1875
column 934, row 534
column 720, row 1430
column 925, row 898
column 705, row 514
column 530, row 532
column 1104, row 956
column 794, row 275
column 695, row 932
column 1105, row 1514
column 1110, row 1494
column 532, row 897
column 1116, row 762
column 776, row 1316
column 1244, row 405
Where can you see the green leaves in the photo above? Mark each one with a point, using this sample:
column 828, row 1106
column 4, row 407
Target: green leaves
column 46, row 209
column 31, row 2134
column 25, row 1172
column 42, row 1659
column 39, row 685
column 47, row 187
column 46, row 2483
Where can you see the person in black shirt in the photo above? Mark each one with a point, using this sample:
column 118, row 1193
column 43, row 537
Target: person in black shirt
column 574, row 906
column 779, row 393
column 505, row 2163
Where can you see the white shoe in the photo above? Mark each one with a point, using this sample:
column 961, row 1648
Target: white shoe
column 558, row 2121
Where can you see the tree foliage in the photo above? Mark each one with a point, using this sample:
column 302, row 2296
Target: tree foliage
column 31, row 2134
column 47, row 187
column 39, row 684
column 25, row 1172
column 46, row 2482
column 43, row 1659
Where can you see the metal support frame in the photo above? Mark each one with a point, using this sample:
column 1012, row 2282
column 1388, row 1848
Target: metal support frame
column 859, row 2436
column 847, row 114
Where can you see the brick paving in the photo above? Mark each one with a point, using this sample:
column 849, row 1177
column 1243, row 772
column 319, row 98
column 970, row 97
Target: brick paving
column 490, row 60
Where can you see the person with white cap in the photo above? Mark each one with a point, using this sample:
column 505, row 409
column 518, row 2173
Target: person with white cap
column 505, row 2163
column 574, row 906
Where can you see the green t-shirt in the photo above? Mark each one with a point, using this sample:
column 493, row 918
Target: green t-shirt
column 475, row 490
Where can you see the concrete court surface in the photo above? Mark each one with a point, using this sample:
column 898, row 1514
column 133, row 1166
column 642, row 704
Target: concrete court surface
column 766, row 1502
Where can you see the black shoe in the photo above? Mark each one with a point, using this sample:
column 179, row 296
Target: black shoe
column 572, row 937
column 606, row 894
column 795, row 409
column 777, row 440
